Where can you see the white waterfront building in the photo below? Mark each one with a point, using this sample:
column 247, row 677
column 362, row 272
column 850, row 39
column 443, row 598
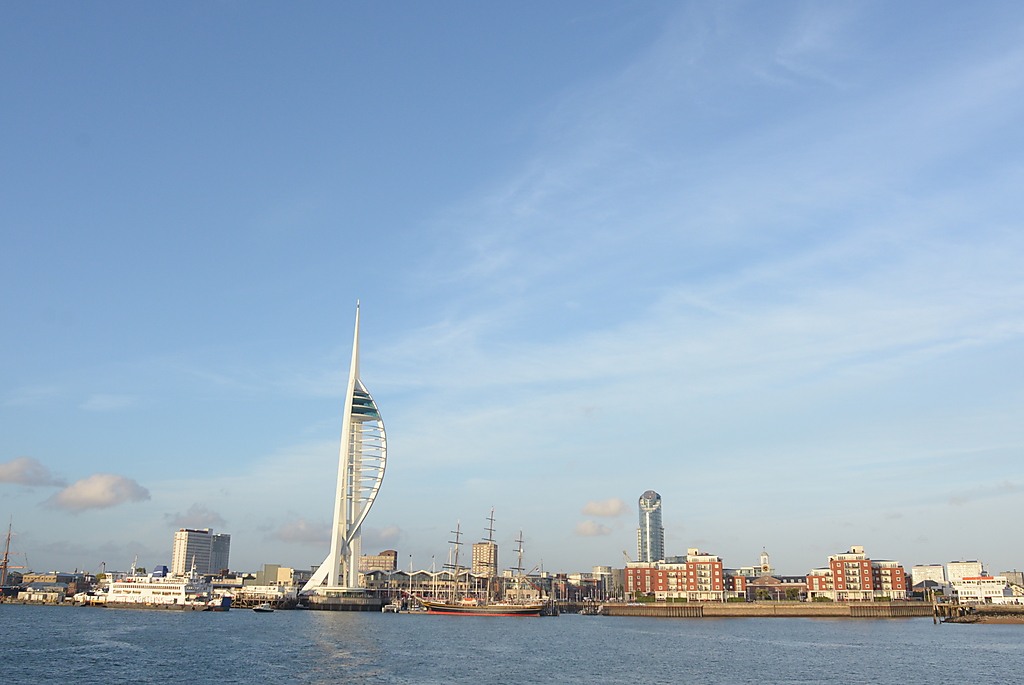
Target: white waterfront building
column 987, row 590
column 923, row 572
column 955, row 570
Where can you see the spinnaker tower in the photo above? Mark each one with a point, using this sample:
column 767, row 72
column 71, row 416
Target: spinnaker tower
column 361, row 462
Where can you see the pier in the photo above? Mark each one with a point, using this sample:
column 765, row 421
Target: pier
column 983, row 613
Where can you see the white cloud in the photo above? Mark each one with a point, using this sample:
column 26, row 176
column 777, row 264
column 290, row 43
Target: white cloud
column 304, row 533
column 197, row 516
column 108, row 402
column 27, row 471
column 380, row 537
column 609, row 508
column 98, row 491
column 590, row 528
column 30, row 395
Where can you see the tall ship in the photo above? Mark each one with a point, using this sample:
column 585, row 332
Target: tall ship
column 471, row 606
column 479, row 607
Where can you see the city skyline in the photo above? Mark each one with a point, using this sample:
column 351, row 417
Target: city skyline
column 790, row 235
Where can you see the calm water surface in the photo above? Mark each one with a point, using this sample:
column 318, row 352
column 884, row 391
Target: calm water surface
column 77, row 645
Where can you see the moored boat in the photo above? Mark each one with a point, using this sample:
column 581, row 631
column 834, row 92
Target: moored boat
column 222, row 603
column 481, row 608
column 162, row 590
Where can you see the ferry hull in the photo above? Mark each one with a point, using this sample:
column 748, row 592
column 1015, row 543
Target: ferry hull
column 158, row 606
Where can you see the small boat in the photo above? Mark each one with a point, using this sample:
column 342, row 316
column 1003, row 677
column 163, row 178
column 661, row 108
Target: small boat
column 392, row 608
column 264, row 608
column 222, row 603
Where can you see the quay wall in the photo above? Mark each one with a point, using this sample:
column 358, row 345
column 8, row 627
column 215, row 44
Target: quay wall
column 769, row 609
column 344, row 603
column 35, row 602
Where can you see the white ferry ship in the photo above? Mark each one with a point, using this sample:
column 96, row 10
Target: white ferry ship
column 161, row 590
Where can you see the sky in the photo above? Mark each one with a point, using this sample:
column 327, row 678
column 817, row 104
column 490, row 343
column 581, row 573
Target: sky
column 766, row 259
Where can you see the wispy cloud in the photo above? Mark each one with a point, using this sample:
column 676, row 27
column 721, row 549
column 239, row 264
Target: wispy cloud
column 609, row 508
column 591, row 528
column 28, row 471
column 304, row 532
column 197, row 516
column 31, row 395
column 109, row 402
column 389, row 536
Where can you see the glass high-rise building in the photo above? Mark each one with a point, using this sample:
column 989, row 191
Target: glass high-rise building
column 220, row 552
column 650, row 537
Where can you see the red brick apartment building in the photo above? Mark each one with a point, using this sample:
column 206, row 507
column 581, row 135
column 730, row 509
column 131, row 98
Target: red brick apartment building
column 696, row 577
column 854, row 577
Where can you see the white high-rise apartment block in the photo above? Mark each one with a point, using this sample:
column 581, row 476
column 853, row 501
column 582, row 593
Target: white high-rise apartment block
column 650, row 543
column 192, row 548
column 957, row 570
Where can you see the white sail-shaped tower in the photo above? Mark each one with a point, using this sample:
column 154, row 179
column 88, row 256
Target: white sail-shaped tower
column 364, row 453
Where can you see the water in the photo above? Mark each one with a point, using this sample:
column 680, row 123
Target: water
column 78, row 645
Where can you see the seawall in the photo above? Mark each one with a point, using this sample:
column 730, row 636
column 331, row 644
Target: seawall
column 770, row 609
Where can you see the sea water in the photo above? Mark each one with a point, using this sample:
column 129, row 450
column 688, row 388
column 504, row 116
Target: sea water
column 93, row 645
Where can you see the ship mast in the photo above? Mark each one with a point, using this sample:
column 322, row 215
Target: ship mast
column 490, row 550
column 519, row 566
column 7, row 554
column 455, row 566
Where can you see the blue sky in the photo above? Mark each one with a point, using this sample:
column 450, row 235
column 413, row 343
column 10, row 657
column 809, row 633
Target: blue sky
column 764, row 258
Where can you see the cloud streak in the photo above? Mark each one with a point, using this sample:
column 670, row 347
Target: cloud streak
column 591, row 528
column 108, row 402
column 304, row 532
column 197, row 516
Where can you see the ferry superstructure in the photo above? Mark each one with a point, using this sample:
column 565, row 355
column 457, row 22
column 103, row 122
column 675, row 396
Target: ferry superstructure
column 164, row 590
